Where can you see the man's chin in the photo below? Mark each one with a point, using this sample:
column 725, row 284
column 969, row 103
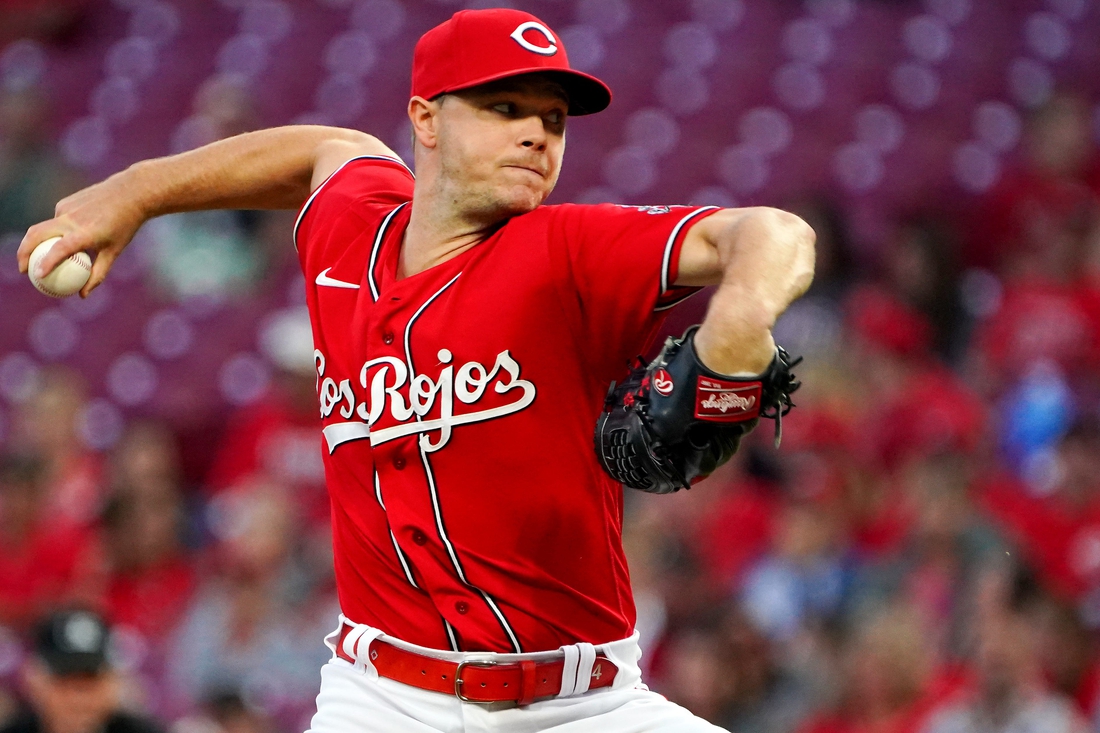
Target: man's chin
column 517, row 204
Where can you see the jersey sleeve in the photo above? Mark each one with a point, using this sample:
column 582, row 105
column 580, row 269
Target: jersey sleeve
column 359, row 185
column 621, row 263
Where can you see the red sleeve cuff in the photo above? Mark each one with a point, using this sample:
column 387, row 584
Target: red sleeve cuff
column 668, row 294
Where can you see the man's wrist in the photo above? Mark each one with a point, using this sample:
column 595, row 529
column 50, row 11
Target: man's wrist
column 143, row 189
column 734, row 350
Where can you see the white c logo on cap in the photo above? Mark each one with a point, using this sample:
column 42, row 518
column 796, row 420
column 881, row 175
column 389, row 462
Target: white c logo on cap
column 517, row 36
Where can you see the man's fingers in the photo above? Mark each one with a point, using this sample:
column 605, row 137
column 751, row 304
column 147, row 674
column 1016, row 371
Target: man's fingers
column 100, row 268
column 35, row 236
column 69, row 244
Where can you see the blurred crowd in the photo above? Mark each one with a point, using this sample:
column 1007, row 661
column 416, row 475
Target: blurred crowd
column 922, row 555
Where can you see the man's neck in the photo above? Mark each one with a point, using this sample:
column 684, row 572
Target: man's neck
column 437, row 232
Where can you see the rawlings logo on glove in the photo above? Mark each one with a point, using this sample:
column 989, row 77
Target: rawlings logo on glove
column 660, row 435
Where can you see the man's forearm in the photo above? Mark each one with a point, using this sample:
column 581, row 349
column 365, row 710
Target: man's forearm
column 767, row 262
column 266, row 169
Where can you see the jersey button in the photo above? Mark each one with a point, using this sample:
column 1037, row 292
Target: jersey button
column 419, row 537
column 399, row 463
column 387, row 338
column 462, row 607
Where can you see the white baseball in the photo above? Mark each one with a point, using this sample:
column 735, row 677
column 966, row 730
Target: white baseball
column 67, row 278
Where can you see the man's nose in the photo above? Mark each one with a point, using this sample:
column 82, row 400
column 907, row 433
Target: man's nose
column 533, row 134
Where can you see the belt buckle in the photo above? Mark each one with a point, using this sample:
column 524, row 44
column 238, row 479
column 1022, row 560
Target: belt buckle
column 486, row 663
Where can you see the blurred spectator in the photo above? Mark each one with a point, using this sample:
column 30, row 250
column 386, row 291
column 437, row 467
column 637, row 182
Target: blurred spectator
column 772, row 692
column 32, row 178
column 887, row 673
column 43, row 562
column 70, row 684
column 916, row 404
column 146, row 456
column 1056, row 521
column 46, row 428
column 934, row 570
column 258, row 624
column 801, row 582
column 696, row 674
column 276, row 438
column 151, row 578
column 921, row 269
column 211, row 254
column 224, row 712
column 1008, row 693
column 1067, row 654
column 888, row 341
column 1039, row 324
column 736, row 528
column 1029, row 226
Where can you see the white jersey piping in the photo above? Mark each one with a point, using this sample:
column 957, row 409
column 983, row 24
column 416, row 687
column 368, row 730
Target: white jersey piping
column 309, row 201
column 666, row 260
column 397, row 548
column 440, row 528
column 376, row 248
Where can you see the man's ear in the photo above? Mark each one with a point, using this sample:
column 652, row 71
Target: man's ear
column 424, row 117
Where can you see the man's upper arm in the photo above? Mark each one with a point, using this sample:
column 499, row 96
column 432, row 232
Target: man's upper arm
column 352, row 178
column 699, row 261
column 332, row 154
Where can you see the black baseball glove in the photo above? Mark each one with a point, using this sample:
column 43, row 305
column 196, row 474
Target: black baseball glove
column 673, row 421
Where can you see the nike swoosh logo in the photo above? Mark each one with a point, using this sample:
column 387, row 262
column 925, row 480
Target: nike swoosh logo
column 324, row 279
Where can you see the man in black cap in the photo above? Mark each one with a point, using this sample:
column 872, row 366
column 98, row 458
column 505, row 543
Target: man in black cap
column 70, row 686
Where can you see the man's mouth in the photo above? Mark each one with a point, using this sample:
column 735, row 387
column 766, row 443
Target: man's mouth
column 537, row 171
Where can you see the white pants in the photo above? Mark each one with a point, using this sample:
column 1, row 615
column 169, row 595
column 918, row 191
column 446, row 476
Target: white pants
column 354, row 699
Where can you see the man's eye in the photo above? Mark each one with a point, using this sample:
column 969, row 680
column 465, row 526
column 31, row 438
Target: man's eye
column 555, row 118
column 505, row 108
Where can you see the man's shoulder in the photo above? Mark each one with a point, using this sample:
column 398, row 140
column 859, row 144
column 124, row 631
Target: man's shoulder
column 363, row 192
column 549, row 213
column 373, row 162
column 366, row 180
column 591, row 219
column 595, row 211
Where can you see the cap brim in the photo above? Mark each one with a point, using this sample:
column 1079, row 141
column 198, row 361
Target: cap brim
column 587, row 94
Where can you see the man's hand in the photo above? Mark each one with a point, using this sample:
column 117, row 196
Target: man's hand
column 100, row 220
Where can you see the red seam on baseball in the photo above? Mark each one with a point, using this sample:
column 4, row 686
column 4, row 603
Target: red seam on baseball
column 47, row 291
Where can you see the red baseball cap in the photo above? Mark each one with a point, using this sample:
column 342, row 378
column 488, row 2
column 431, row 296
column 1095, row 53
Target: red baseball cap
column 479, row 46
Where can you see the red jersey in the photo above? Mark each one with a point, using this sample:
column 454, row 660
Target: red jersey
column 458, row 405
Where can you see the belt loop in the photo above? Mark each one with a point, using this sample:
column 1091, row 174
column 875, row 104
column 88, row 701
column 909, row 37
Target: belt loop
column 584, row 667
column 357, row 646
column 569, row 670
column 526, row 682
column 349, row 642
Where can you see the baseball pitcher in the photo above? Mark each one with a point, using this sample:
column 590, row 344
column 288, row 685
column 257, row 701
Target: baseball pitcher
column 477, row 409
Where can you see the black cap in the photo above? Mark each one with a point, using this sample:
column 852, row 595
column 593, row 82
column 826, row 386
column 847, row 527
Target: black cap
column 73, row 642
